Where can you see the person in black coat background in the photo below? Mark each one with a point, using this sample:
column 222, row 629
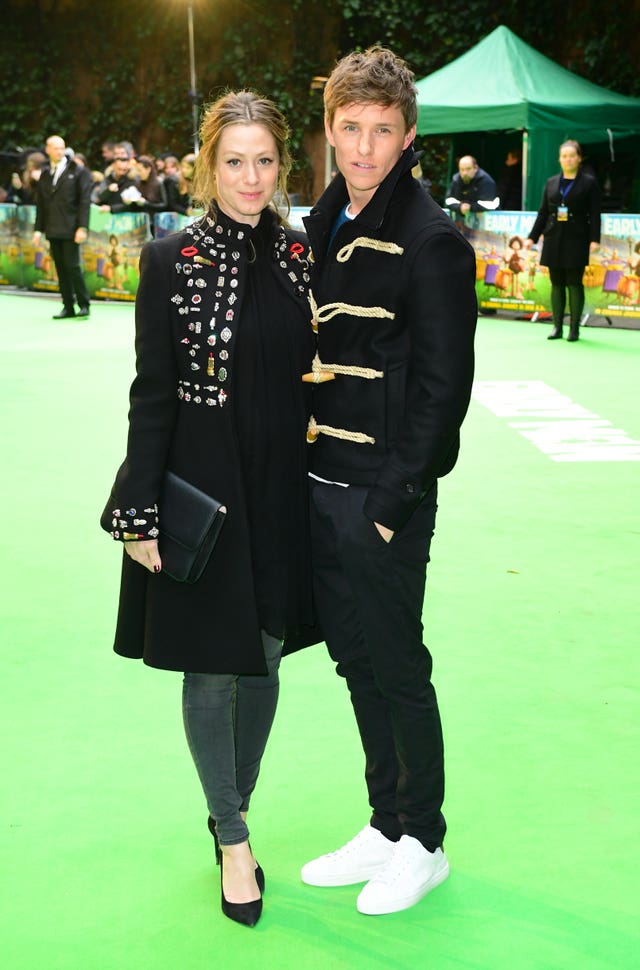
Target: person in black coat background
column 569, row 221
column 223, row 337
column 393, row 297
column 510, row 181
column 62, row 214
column 153, row 197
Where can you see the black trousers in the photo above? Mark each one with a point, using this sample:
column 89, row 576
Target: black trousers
column 66, row 256
column 369, row 598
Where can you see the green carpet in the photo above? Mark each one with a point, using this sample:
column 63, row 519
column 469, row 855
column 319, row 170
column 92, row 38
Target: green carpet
column 532, row 617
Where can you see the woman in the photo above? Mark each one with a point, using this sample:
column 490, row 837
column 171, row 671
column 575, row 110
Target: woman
column 569, row 218
column 179, row 189
column 152, row 195
column 223, row 336
column 24, row 186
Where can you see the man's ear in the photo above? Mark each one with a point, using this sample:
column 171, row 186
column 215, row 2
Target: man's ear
column 409, row 137
column 328, row 132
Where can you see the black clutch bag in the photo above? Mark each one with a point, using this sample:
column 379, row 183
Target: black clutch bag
column 190, row 523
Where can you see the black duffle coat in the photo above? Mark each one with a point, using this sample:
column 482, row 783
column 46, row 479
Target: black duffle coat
column 188, row 314
column 566, row 243
column 395, row 308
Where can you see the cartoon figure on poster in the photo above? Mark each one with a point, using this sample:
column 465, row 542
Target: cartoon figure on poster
column 615, row 267
column 492, row 261
column 629, row 284
column 532, row 268
column 44, row 262
column 116, row 262
column 516, row 265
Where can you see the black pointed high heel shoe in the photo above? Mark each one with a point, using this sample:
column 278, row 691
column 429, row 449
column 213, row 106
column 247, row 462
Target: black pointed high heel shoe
column 259, row 874
column 246, row 913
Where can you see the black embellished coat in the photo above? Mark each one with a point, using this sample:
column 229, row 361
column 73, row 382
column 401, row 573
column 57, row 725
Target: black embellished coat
column 566, row 243
column 189, row 311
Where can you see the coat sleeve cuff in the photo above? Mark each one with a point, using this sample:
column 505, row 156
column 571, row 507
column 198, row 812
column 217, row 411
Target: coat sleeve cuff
column 132, row 524
column 392, row 510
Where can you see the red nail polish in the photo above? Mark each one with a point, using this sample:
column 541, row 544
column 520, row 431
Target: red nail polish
column 156, row 569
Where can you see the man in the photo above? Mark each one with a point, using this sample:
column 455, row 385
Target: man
column 119, row 188
column 394, row 302
column 510, row 181
column 62, row 214
column 108, row 151
column 471, row 189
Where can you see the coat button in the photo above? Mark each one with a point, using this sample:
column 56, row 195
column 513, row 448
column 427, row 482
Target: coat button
column 410, row 488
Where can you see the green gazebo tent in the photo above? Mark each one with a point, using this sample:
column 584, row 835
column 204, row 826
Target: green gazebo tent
column 504, row 84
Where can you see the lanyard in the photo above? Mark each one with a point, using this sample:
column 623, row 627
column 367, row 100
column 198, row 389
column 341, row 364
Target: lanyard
column 565, row 192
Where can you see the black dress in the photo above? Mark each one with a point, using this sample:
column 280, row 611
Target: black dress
column 268, row 372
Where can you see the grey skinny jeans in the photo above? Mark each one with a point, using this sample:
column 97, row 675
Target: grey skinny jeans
column 227, row 720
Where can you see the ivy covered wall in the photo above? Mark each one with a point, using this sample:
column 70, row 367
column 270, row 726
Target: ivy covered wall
column 120, row 68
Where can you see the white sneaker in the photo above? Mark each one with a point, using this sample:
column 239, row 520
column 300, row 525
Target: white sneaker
column 409, row 875
column 360, row 859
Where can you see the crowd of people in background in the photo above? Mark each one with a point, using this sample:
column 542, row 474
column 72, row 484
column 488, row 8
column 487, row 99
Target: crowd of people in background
column 162, row 182
column 126, row 182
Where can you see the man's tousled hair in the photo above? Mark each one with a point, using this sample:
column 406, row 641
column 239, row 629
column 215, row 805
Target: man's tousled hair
column 374, row 76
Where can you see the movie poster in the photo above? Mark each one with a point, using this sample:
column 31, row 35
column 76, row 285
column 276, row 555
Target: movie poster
column 509, row 277
column 10, row 264
column 612, row 278
column 112, row 251
column 38, row 268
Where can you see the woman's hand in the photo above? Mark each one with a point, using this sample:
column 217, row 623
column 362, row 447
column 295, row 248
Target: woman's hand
column 145, row 551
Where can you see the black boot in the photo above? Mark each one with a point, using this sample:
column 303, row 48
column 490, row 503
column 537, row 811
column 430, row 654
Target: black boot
column 573, row 332
column 556, row 333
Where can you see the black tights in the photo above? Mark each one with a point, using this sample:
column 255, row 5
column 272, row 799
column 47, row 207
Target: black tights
column 561, row 280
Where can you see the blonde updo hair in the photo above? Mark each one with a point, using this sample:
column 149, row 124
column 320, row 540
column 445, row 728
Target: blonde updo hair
column 238, row 108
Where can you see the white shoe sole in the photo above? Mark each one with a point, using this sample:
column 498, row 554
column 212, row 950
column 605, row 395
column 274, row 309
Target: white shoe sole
column 377, row 907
